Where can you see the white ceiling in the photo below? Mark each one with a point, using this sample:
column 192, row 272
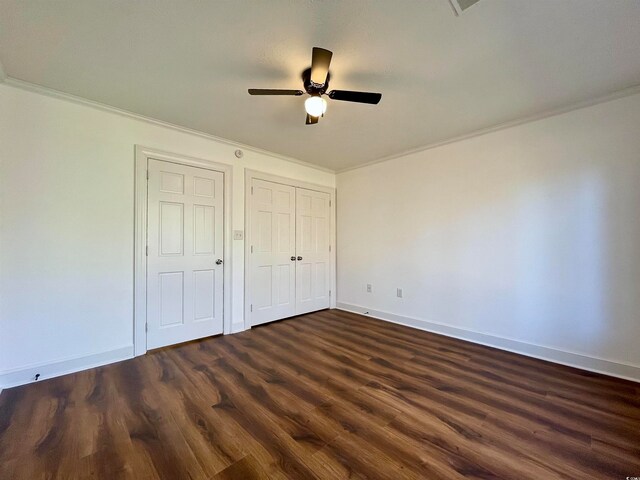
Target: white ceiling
column 190, row 63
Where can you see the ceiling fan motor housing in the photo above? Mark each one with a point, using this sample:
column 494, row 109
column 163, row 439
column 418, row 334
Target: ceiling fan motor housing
column 314, row 88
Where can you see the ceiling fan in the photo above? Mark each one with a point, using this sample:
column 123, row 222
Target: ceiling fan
column 316, row 83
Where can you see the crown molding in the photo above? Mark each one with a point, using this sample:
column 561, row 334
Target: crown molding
column 32, row 87
column 503, row 126
column 50, row 92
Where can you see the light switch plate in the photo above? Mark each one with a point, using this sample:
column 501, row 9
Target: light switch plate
column 238, row 235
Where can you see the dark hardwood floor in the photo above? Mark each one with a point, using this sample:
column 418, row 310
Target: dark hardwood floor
column 327, row 395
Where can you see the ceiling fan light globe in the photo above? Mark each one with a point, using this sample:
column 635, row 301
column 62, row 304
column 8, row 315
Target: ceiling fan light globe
column 315, row 106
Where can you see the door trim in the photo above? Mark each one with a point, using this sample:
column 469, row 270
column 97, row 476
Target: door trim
column 249, row 175
column 142, row 156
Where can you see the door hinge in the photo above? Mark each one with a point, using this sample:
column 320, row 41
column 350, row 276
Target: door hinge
column 146, row 251
column 147, row 174
column 252, row 307
column 329, row 292
column 146, row 327
column 251, row 248
column 329, row 202
column 329, row 247
column 251, row 190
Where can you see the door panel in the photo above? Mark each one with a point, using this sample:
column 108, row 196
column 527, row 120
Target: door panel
column 171, row 228
column 312, row 244
column 204, row 230
column 185, row 238
column 204, row 282
column 171, row 298
column 272, row 272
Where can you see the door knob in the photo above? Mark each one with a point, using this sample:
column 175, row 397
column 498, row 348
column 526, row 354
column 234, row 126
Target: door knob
column 293, row 259
column 299, row 258
column 218, row 262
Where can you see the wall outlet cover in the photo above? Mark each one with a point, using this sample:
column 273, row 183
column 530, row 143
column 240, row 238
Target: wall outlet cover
column 238, row 235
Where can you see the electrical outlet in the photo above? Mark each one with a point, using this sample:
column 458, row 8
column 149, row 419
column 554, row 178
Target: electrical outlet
column 238, row 235
column 399, row 293
column 368, row 288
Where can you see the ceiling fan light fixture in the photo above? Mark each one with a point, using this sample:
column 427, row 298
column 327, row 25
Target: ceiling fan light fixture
column 315, row 106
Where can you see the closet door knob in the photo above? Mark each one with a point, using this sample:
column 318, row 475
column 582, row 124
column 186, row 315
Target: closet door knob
column 299, row 258
column 218, row 262
column 293, row 259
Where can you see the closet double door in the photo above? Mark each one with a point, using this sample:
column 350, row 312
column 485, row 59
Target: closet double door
column 289, row 256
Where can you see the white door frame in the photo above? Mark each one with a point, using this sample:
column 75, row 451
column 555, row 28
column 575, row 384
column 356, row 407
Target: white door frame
column 142, row 156
column 249, row 175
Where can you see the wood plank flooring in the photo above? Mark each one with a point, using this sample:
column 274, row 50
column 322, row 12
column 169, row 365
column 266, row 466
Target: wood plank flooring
column 328, row 395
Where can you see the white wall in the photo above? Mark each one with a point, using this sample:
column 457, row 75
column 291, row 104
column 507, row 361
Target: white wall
column 524, row 237
column 66, row 232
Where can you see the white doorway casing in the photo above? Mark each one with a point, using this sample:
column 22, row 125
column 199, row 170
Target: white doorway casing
column 319, row 198
column 143, row 157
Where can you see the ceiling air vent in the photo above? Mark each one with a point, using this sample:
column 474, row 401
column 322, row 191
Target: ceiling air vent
column 460, row 6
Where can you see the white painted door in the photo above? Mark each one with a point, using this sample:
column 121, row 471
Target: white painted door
column 272, row 247
column 185, row 246
column 313, row 215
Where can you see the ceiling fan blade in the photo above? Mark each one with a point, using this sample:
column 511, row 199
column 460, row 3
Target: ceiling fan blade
column 360, row 97
column 271, row 91
column 311, row 120
column 320, row 61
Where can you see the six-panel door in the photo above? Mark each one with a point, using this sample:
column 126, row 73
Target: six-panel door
column 272, row 269
column 312, row 250
column 185, row 252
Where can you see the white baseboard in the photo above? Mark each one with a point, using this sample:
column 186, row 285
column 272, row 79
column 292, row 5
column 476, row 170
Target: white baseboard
column 238, row 327
column 584, row 362
column 23, row 375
